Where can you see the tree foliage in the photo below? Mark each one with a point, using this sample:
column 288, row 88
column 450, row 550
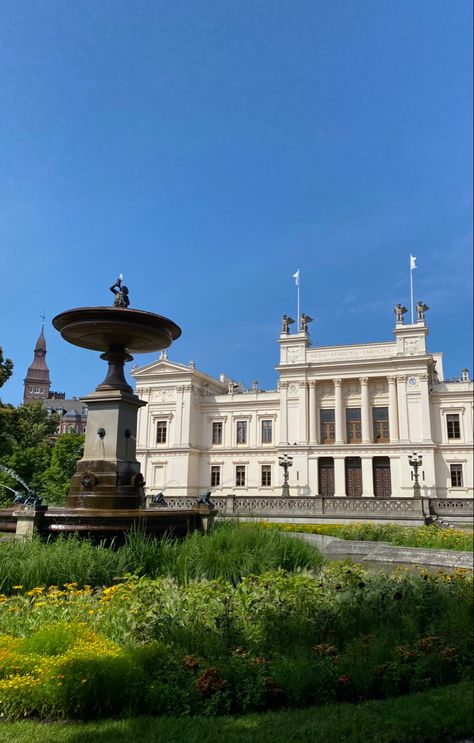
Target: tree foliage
column 6, row 368
column 26, row 445
column 56, row 478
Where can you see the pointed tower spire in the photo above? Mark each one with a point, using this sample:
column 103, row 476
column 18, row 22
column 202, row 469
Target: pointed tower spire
column 37, row 381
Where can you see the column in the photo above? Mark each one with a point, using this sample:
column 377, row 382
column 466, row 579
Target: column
column 402, row 407
column 392, row 409
column 338, row 413
column 365, row 410
column 313, row 476
column 283, row 413
column 367, row 477
column 425, row 409
column 313, row 432
column 339, row 477
column 303, row 413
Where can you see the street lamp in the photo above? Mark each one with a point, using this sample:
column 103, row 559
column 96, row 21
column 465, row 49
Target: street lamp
column 415, row 461
column 286, row 462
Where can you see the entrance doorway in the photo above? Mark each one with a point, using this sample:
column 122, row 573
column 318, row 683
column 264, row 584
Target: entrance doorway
column 382, row 478
column 326, row 476
column 353, row 477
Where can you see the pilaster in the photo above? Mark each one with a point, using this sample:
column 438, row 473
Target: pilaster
column 367, row 477
column 339, row 477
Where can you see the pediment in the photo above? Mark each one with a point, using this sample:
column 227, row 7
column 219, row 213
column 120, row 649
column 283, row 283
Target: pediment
column 161, row 366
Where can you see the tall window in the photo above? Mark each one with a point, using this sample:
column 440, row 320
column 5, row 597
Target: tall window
column 353, row 425
column 217, row 432
column 456, row 475
column 215, row 475
column 266, row 475
column 381, row 428
column 240, row 475
column 266, row 432
column 161, row 432
column 241, row 432
column 328, row 430
column 454, row 427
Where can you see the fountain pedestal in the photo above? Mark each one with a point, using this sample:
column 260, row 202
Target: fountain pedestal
column 108, row 476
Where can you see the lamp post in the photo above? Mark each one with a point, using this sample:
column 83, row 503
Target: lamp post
column 415, row 461
column 286, row 462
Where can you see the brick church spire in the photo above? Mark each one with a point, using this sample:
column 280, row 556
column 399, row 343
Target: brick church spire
column 37, row 381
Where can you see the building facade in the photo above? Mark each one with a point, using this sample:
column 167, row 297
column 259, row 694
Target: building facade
column 349, row 416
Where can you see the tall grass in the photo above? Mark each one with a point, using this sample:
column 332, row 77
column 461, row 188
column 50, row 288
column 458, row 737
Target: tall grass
column 230, row 552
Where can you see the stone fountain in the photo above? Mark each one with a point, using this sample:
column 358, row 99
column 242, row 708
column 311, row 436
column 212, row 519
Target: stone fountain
column 106, row 494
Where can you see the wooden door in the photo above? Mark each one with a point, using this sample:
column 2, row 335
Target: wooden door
column 382, row 477
column 353, row 477
column 326, row 477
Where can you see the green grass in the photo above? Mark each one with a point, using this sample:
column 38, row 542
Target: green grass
column 230, row 552
column 431, row 537
column 438, row 716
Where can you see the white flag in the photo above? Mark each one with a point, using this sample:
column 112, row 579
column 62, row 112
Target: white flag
column 296, row 277
column 412, row 262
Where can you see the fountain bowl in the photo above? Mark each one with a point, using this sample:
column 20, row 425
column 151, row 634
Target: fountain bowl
column 107, row 328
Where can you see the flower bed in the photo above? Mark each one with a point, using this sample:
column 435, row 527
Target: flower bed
column 431, row 536
column 275, row 640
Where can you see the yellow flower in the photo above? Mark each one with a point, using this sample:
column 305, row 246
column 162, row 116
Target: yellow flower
column 17, row 588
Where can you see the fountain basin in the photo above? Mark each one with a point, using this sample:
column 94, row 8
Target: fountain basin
column 115, row 328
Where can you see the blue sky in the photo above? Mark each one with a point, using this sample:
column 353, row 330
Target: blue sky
column 207, row 149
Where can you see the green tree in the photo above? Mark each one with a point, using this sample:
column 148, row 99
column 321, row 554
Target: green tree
column 25, row 445
column 6, row 368
column 56, row 478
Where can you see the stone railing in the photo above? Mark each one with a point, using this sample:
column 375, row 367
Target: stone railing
column 446, row 507
column 267, row 507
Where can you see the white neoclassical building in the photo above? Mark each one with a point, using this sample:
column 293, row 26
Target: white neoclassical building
column 349, row 416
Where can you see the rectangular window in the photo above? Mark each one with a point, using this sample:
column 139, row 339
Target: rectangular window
column 267, row 432
column 454, row 427
column 217, row 432
column 241, row 432
column 161, row 432
column 353, row 425
column 328, row 430
column 456, row 475
column 240, row 476
column 381, row 427
column 215, row 475
column 266, row 475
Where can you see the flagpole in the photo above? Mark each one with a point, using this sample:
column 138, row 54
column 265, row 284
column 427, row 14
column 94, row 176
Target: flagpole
column 298, row 300
column 411, row 289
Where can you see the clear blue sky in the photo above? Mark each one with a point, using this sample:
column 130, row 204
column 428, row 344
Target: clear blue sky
column 209, row 148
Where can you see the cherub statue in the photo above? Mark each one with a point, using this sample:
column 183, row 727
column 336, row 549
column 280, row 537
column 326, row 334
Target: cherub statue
column 421, row 308
column 399, row 310
column 121, row 293
column 304, row 322
column 286, row 320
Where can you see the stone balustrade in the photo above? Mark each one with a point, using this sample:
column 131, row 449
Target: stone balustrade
column 354, row 509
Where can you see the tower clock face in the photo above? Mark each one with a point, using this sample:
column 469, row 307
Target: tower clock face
column 412, row 381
